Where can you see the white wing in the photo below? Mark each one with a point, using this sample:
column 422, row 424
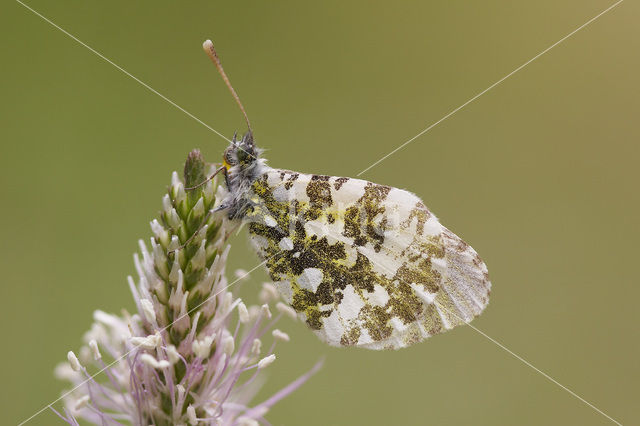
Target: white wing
column 363, row 264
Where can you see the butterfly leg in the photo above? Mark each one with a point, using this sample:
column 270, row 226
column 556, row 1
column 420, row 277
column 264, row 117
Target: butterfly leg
column 209, row 178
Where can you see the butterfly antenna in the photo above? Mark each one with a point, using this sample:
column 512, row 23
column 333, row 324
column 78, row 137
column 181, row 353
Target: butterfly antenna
column 211, row 53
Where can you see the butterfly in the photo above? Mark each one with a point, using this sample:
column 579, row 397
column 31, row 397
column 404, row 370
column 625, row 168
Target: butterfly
column 362, row 264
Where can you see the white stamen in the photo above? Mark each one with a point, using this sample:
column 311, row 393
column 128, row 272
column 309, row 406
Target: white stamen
column 269, row 293
column 266, row 311
column 191, row 414
column 85, row 355
column 154, row 363
column 256, row 346
column 202, row 348
column 243, row 313
column 228, row 345
column 254, row 312
column 82, row 402
column 280, row 335
column 172, row 354
column 73, row 361
column 147, row 310
column 260, row 411
column 148, row 342
column 266, row 361
column 286, row 310
column 181, row 391
column 241, row 274
column 94, row 350
column 246, row 421
column 106, row 319
column 226, row 302
column 63, row 371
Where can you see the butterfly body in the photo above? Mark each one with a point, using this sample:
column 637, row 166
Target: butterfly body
column 362, row 264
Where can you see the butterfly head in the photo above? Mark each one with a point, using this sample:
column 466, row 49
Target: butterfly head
column 242, row 160
column 241, row 155
column 243, row 166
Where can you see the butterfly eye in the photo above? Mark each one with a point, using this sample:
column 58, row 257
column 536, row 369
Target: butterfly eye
column 242, row 154
column 228, row 157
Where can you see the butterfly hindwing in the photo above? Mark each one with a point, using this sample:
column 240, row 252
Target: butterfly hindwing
column 363, row 264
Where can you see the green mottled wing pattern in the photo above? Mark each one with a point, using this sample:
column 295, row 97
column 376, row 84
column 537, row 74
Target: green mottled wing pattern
column 363, row 264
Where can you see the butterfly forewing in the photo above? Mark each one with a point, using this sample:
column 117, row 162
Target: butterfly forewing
column 363, row 264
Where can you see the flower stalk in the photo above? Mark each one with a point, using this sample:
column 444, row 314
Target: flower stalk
column 191, row 353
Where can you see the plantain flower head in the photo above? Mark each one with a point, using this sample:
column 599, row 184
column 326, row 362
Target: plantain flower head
column 191, row 353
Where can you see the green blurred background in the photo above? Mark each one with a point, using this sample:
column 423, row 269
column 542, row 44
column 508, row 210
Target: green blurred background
column 540, row 175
